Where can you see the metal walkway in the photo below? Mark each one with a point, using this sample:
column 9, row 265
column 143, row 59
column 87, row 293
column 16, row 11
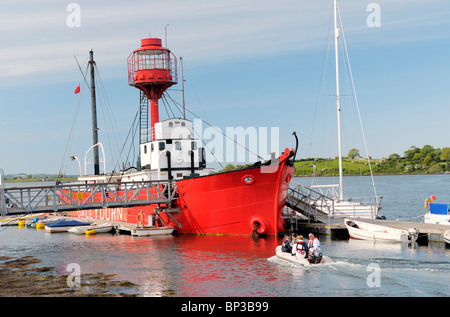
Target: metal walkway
column 68, row 197
column 309, row 203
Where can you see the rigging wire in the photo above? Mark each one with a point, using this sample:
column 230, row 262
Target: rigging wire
column 320, row 94
column 195, row 132
column 218, row 130
column 357, row 107
column 114, row 138
column 63, row 166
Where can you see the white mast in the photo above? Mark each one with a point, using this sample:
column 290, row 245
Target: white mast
column 336, row 36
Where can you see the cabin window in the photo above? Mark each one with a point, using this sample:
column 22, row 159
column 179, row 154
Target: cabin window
column 183, row 124
column 152, row 147
column 170, row 124
column 178, row 145
column 145, row 149
column 193, row 145
column 162, row 146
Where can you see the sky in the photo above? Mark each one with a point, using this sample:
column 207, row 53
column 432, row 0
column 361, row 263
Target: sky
column 247, row 63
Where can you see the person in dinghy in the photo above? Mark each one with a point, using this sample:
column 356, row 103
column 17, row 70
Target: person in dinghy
column 286, row 245
column 300, row 249
column 314, row 248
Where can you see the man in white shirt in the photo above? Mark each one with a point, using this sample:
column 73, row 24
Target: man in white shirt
column 314, row 248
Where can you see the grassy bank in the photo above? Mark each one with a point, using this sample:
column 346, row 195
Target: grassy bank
column 329, row 167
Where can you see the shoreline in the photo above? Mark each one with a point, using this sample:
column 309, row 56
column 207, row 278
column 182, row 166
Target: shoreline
column 377, row 174
column 22, row 278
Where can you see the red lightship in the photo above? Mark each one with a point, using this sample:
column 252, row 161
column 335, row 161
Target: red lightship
column 240, row 202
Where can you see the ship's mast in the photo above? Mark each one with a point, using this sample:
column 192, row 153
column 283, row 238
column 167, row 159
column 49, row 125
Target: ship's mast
column 338, row 104
column 94, row 115
column 182, row 88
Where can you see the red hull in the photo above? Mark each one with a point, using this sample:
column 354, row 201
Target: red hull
column 223, row 204
column 229, row 203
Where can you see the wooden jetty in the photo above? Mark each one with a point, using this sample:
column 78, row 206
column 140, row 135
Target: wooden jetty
column 133, row 229
column 335, row 227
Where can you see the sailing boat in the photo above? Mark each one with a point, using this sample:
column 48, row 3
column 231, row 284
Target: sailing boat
column 337, row 205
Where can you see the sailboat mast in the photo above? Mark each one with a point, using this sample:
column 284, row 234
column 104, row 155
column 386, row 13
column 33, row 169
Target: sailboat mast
column 338, row 104
column 94, row 115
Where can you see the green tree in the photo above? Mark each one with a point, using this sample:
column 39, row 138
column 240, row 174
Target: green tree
column 410, row 153
column 228, row 167
column 427, row 161
column 353, row 153
column 394, row 156
column 417, row 156
column 445, row 154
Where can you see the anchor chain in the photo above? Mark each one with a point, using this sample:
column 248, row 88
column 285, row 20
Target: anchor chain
column 255, row 234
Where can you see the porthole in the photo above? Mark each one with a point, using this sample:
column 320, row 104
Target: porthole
column 248, row 179
column 288, row 178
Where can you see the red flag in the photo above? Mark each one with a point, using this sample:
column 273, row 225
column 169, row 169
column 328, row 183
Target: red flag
column 77, row 90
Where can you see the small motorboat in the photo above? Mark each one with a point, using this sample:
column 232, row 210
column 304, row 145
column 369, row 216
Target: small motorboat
column 436, row 213
column 287, row 256
column 64, row 225
column 446, row 236
column 369, row 231
column 93, row 229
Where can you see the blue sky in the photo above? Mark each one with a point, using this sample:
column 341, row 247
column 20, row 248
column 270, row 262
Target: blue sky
column 246, row 63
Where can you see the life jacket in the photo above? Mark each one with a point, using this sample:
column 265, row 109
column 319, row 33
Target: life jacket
column 311, row 242
column 301, row 247
column 285, row 245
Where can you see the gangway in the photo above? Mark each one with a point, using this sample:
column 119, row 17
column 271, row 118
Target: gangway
column 78, row 196
column 309, row 203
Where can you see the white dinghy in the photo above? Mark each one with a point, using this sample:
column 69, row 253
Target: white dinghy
column 369, row 231
column 93, row 229
column 287, row 256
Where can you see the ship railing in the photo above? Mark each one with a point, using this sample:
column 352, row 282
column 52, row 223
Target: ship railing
column 310, row 202
column 350, row 206
column 68, row 197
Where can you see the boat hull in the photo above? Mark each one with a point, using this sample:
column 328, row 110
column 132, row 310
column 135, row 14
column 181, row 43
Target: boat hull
column 367, row 231
column 224, row 204
column 446, row 236
column 105, row 228
column 437, row 219
column 64, row 226
column 241, row 202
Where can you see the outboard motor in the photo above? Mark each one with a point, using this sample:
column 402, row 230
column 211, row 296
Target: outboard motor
column 413, row 234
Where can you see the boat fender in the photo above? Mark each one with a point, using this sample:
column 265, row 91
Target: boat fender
column 427, row 202
column 260, row 224
column 89, row 232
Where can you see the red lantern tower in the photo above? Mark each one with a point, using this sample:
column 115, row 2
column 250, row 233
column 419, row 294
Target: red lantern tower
column 152, row 69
